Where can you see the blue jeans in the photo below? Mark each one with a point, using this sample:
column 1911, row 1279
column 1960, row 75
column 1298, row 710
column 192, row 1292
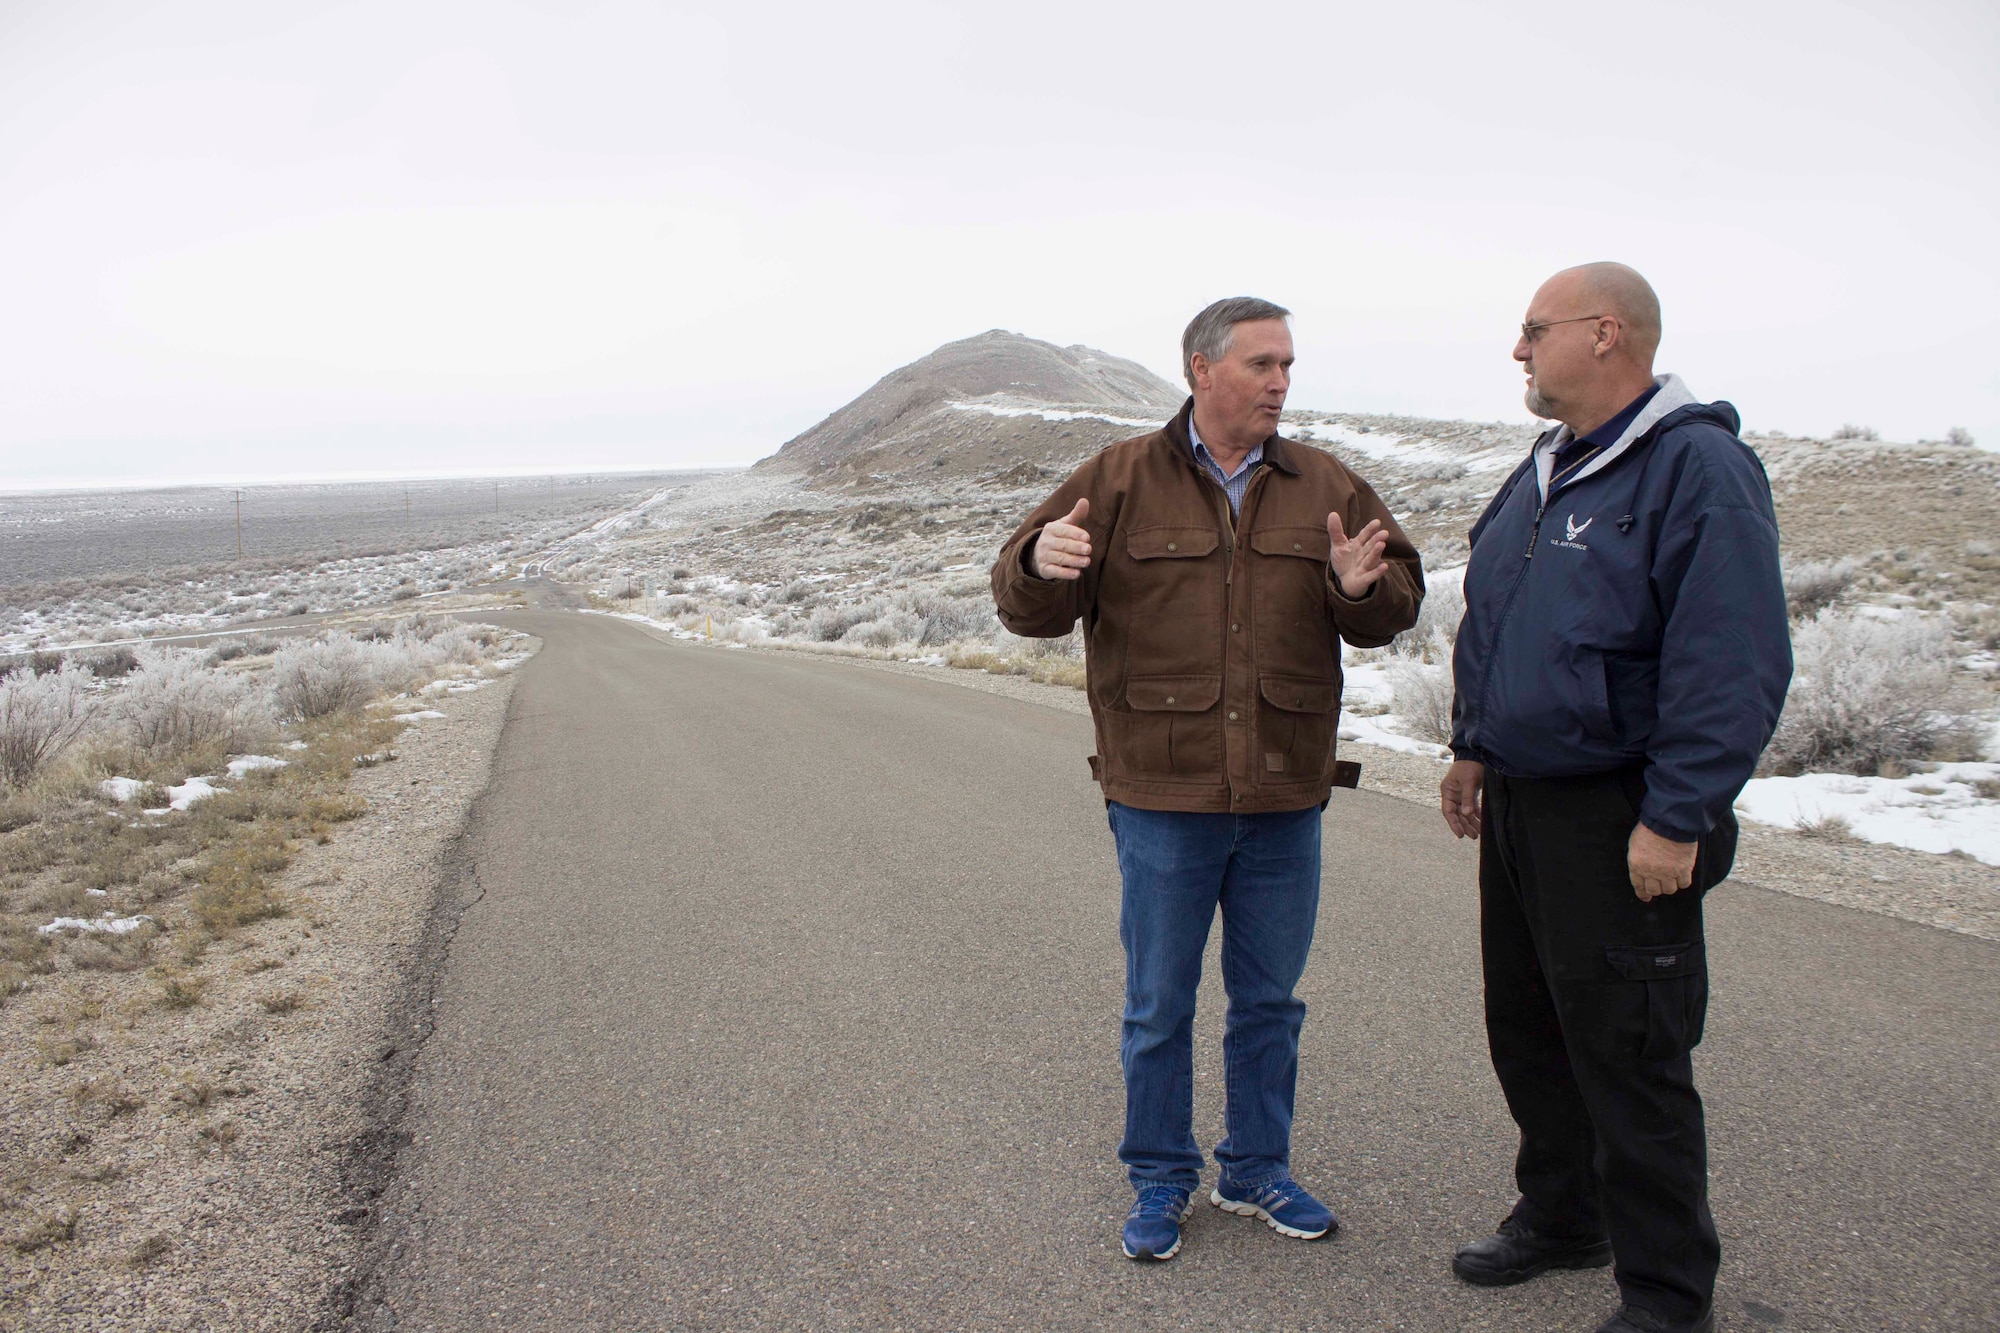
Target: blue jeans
column 1263, row 872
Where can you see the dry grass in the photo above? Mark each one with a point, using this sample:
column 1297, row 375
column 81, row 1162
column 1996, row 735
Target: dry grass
column 106, row 1097
column 181, row 990
column 1831, row 828
column 1044, row 670
column 203, row 873
column 282, row 1001
column 51, row 1228
column 150, row 1250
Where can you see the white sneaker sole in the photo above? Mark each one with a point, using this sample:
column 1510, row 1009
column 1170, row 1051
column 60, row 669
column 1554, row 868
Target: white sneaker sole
column 1172, row 1250
column 1252, row 1210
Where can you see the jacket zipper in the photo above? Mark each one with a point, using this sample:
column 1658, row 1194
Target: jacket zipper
column 1506, row 610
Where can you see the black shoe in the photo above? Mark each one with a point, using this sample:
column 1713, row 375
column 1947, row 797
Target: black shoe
column 1515, row 1254
column 1632, row 1319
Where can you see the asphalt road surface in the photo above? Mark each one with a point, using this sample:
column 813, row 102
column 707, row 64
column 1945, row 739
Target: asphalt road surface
column 790, row 1000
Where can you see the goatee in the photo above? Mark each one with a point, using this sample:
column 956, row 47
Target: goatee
column 1538, row 405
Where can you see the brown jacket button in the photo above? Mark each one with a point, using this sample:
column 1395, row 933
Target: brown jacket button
column 1232, row 717
column 1297, row 547
column 1170, row 698
column 1173, row 546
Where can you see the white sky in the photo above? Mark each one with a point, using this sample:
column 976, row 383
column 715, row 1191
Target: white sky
column 253, row 240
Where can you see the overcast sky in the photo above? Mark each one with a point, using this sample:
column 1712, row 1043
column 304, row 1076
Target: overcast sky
column 241, row 241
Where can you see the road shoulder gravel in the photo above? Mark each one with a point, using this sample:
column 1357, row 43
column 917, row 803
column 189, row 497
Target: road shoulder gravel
column 237, row 1196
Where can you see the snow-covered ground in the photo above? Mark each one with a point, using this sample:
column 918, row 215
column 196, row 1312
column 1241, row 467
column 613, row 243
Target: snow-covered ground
column 1951, row 809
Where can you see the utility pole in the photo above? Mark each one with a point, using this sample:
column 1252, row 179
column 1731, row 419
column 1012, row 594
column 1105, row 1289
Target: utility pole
column 239, row 527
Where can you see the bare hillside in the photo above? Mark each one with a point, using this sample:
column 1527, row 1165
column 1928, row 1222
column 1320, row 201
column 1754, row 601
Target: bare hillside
column 981, row 403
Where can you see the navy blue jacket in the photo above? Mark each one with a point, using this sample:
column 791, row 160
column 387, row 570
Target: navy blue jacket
column 1635, row 616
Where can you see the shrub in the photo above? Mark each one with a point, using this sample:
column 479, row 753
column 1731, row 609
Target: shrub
column 1850, row 431
column 946, row 619
column 1813, row 585
column 40, row 717
column 1959, row 436
column 830, row 624
column 113, row 663
column 1423, row 694
column 176, row 702
column 1866, row 694
column 321, row 677
column 1431, row 639
column 339, row 673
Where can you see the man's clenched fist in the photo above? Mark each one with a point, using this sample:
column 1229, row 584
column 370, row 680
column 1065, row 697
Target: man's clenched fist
column 1659, row 866
column 1063, row 549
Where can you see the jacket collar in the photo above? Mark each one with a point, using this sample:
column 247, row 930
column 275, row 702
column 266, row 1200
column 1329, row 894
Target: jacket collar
column 1671, row 396
column 1276, row 448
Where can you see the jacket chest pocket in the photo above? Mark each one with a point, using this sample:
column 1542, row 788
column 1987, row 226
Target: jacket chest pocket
column 1288, row 593
column 1173, row 601
column 1171, row 543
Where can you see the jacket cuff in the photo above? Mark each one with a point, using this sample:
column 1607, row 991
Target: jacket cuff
column 1670, row 829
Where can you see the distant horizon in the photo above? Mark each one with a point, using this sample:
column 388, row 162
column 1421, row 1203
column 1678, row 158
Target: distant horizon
column 87, row 485
column 9, row 486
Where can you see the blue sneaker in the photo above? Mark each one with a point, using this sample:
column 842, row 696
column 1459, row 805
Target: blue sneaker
column 1283, row 1204
column 1153, row 1227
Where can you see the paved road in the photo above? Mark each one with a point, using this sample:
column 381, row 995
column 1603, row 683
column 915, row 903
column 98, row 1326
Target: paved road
column 791, row 1001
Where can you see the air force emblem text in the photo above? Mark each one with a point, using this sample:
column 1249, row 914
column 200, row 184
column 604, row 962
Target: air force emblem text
column 1574, row 529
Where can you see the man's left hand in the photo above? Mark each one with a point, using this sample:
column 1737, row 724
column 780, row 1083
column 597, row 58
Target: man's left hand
column 1659, row 865
column 1357, row 563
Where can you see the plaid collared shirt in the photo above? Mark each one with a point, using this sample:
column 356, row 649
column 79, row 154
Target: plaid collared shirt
column 1234, row 485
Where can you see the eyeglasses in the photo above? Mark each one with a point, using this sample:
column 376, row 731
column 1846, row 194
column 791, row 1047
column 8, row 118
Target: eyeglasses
column 1530, row 332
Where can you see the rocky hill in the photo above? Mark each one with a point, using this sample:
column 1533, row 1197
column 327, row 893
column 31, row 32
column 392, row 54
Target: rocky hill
column 979, row 405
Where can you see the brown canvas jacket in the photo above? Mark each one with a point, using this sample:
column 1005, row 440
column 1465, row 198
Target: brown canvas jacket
column 1212, row 646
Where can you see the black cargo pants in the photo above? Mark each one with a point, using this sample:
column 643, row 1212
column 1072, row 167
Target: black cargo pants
column 1593, row 1002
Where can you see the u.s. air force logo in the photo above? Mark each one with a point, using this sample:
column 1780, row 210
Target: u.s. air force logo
column 1574, row 530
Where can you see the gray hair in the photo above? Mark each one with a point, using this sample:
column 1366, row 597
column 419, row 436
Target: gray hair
column 1211, row 332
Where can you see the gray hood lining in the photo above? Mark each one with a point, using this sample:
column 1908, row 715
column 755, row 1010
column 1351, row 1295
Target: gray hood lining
column 1672, row 396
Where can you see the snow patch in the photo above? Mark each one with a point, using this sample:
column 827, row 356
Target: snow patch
column 103, row 925
column 194, row 789
column 1371, row 731
column 1939, row 811
column 120, row 789
column 421, row 715
column 1056, row 414
column 245, row 763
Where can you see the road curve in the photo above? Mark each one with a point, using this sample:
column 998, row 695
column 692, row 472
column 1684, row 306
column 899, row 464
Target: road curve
column 790, row 1001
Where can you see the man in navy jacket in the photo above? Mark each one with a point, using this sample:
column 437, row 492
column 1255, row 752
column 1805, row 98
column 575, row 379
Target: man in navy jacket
column 1621, row 665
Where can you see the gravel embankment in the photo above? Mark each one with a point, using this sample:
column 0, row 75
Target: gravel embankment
column 181, row 1225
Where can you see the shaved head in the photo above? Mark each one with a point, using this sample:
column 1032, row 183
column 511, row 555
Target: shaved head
column 1620, row 290
column 1588, row 344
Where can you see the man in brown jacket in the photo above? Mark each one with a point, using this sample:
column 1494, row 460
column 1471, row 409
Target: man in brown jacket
column 1215, row 567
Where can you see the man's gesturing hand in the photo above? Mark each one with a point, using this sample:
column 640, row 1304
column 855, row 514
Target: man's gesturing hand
column 1459, row 794
column 1357, row 563
column 1659, row 866
column 1063, row 549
